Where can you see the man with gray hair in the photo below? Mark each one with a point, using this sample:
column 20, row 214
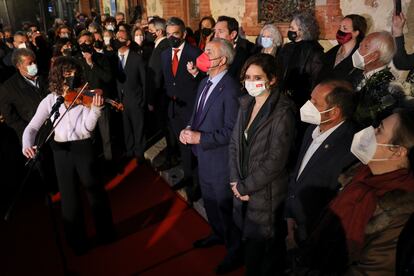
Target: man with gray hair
column 21, row 94
column 375, row 52
column 371, row 75
column 208, row 132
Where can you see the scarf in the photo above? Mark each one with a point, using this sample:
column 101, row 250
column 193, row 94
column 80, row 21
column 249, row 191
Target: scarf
column 356, row 204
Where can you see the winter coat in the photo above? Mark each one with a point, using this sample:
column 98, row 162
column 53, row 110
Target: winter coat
column 267, row 177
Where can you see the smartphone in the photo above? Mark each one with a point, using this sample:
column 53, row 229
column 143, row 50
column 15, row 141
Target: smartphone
column 397, row 7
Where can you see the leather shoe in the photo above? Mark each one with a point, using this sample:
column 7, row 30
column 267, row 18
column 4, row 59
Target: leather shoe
column 207, row 242
column 183, row 183
column 229, row 264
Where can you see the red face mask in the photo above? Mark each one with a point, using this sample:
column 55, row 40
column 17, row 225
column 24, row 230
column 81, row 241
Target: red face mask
column 343, row 37
column 204, row 63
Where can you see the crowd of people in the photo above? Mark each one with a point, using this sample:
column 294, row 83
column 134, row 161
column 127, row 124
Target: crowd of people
column 303, row 158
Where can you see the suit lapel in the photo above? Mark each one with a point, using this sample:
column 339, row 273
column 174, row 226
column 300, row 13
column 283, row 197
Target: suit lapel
column 323, row 149
column 213, row 96
column 129, row 57
column 306, row 143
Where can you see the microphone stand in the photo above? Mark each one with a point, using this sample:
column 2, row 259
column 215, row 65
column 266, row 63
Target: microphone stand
column 30, row 164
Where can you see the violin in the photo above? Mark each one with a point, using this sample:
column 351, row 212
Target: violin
column 86, row 97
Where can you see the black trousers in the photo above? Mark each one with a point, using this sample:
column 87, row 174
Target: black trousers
column 218, row 203
column 133, row 122
column 264, row 257
column 74, row 163
column 177, row 122
column 104, row 131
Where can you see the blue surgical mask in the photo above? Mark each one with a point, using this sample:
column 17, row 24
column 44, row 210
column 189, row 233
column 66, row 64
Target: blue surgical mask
column 266, row 42
column 32, row 70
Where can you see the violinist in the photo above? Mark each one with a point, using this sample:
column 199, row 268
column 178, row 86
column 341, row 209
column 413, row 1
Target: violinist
column 73, row 156
column 96, row 70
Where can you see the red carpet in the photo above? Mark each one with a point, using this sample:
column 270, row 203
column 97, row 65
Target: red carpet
column 156, row 230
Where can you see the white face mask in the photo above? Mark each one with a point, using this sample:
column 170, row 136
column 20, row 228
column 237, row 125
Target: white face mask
column 364, row 145
column 255, row 88
column 266, row 42
column 358, row 60
column 107, row 40
column 310, row 114
column 139, row 38
column 32, row 70
column 22, row 45
column 64, row 35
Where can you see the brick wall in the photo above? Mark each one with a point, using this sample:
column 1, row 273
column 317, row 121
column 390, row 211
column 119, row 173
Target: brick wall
column 84, row 7
column 328, row 15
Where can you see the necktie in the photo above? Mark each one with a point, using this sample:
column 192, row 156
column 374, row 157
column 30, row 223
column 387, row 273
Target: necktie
column 121, row 62
column 201, row 104
column 174, row 64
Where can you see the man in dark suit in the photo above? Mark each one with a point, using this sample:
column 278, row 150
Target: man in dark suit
column 209, row 132
column 97, row 72
column 156, row 96
column 324, row 154
column 181, row 87
column 131, row 87
column 21, row 94
column 228, row 28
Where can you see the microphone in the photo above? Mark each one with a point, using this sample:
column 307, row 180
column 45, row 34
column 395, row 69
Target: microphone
column 58, row 103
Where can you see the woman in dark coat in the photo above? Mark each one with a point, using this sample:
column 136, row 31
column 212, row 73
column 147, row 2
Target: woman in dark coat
column 301, row 59
column 337, row 62
column 262, row 138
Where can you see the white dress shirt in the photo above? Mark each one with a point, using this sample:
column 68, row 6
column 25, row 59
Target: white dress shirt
column 215, row 80
column 77, row 124
column 125, row 54
column 159, row 41
column 318, row 138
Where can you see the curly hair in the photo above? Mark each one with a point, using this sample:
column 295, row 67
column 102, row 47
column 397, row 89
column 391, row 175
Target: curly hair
column 60, row 66
column 307, row 25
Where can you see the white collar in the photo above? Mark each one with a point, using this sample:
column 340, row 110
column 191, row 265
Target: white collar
column 318, row 136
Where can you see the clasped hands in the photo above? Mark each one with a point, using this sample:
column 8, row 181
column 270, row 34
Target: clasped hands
column 237, row 194
column 188, row 136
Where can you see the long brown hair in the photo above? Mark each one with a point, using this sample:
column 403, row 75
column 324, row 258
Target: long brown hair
column 60, row 66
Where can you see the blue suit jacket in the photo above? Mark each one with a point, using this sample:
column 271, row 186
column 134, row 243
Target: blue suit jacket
column 318, row 183
column 216, row 126
column 183, row 86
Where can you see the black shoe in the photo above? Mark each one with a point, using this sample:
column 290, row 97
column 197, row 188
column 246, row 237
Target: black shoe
column 207, row 242
column 229, row 264
column 182, row 184
column 193, row 194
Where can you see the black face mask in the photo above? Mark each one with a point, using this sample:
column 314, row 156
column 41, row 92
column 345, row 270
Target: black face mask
column 98, row 44
column 73, row 82
column 150, row 37
column 86, row 48
column 118, row 44
column 67, row 52
column 9, row 39
column 292, row 35
column 175, row 42
column 206, row 31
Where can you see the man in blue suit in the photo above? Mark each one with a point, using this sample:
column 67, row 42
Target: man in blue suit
column 324, row 154
column 181, row 87
column 209, row 132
